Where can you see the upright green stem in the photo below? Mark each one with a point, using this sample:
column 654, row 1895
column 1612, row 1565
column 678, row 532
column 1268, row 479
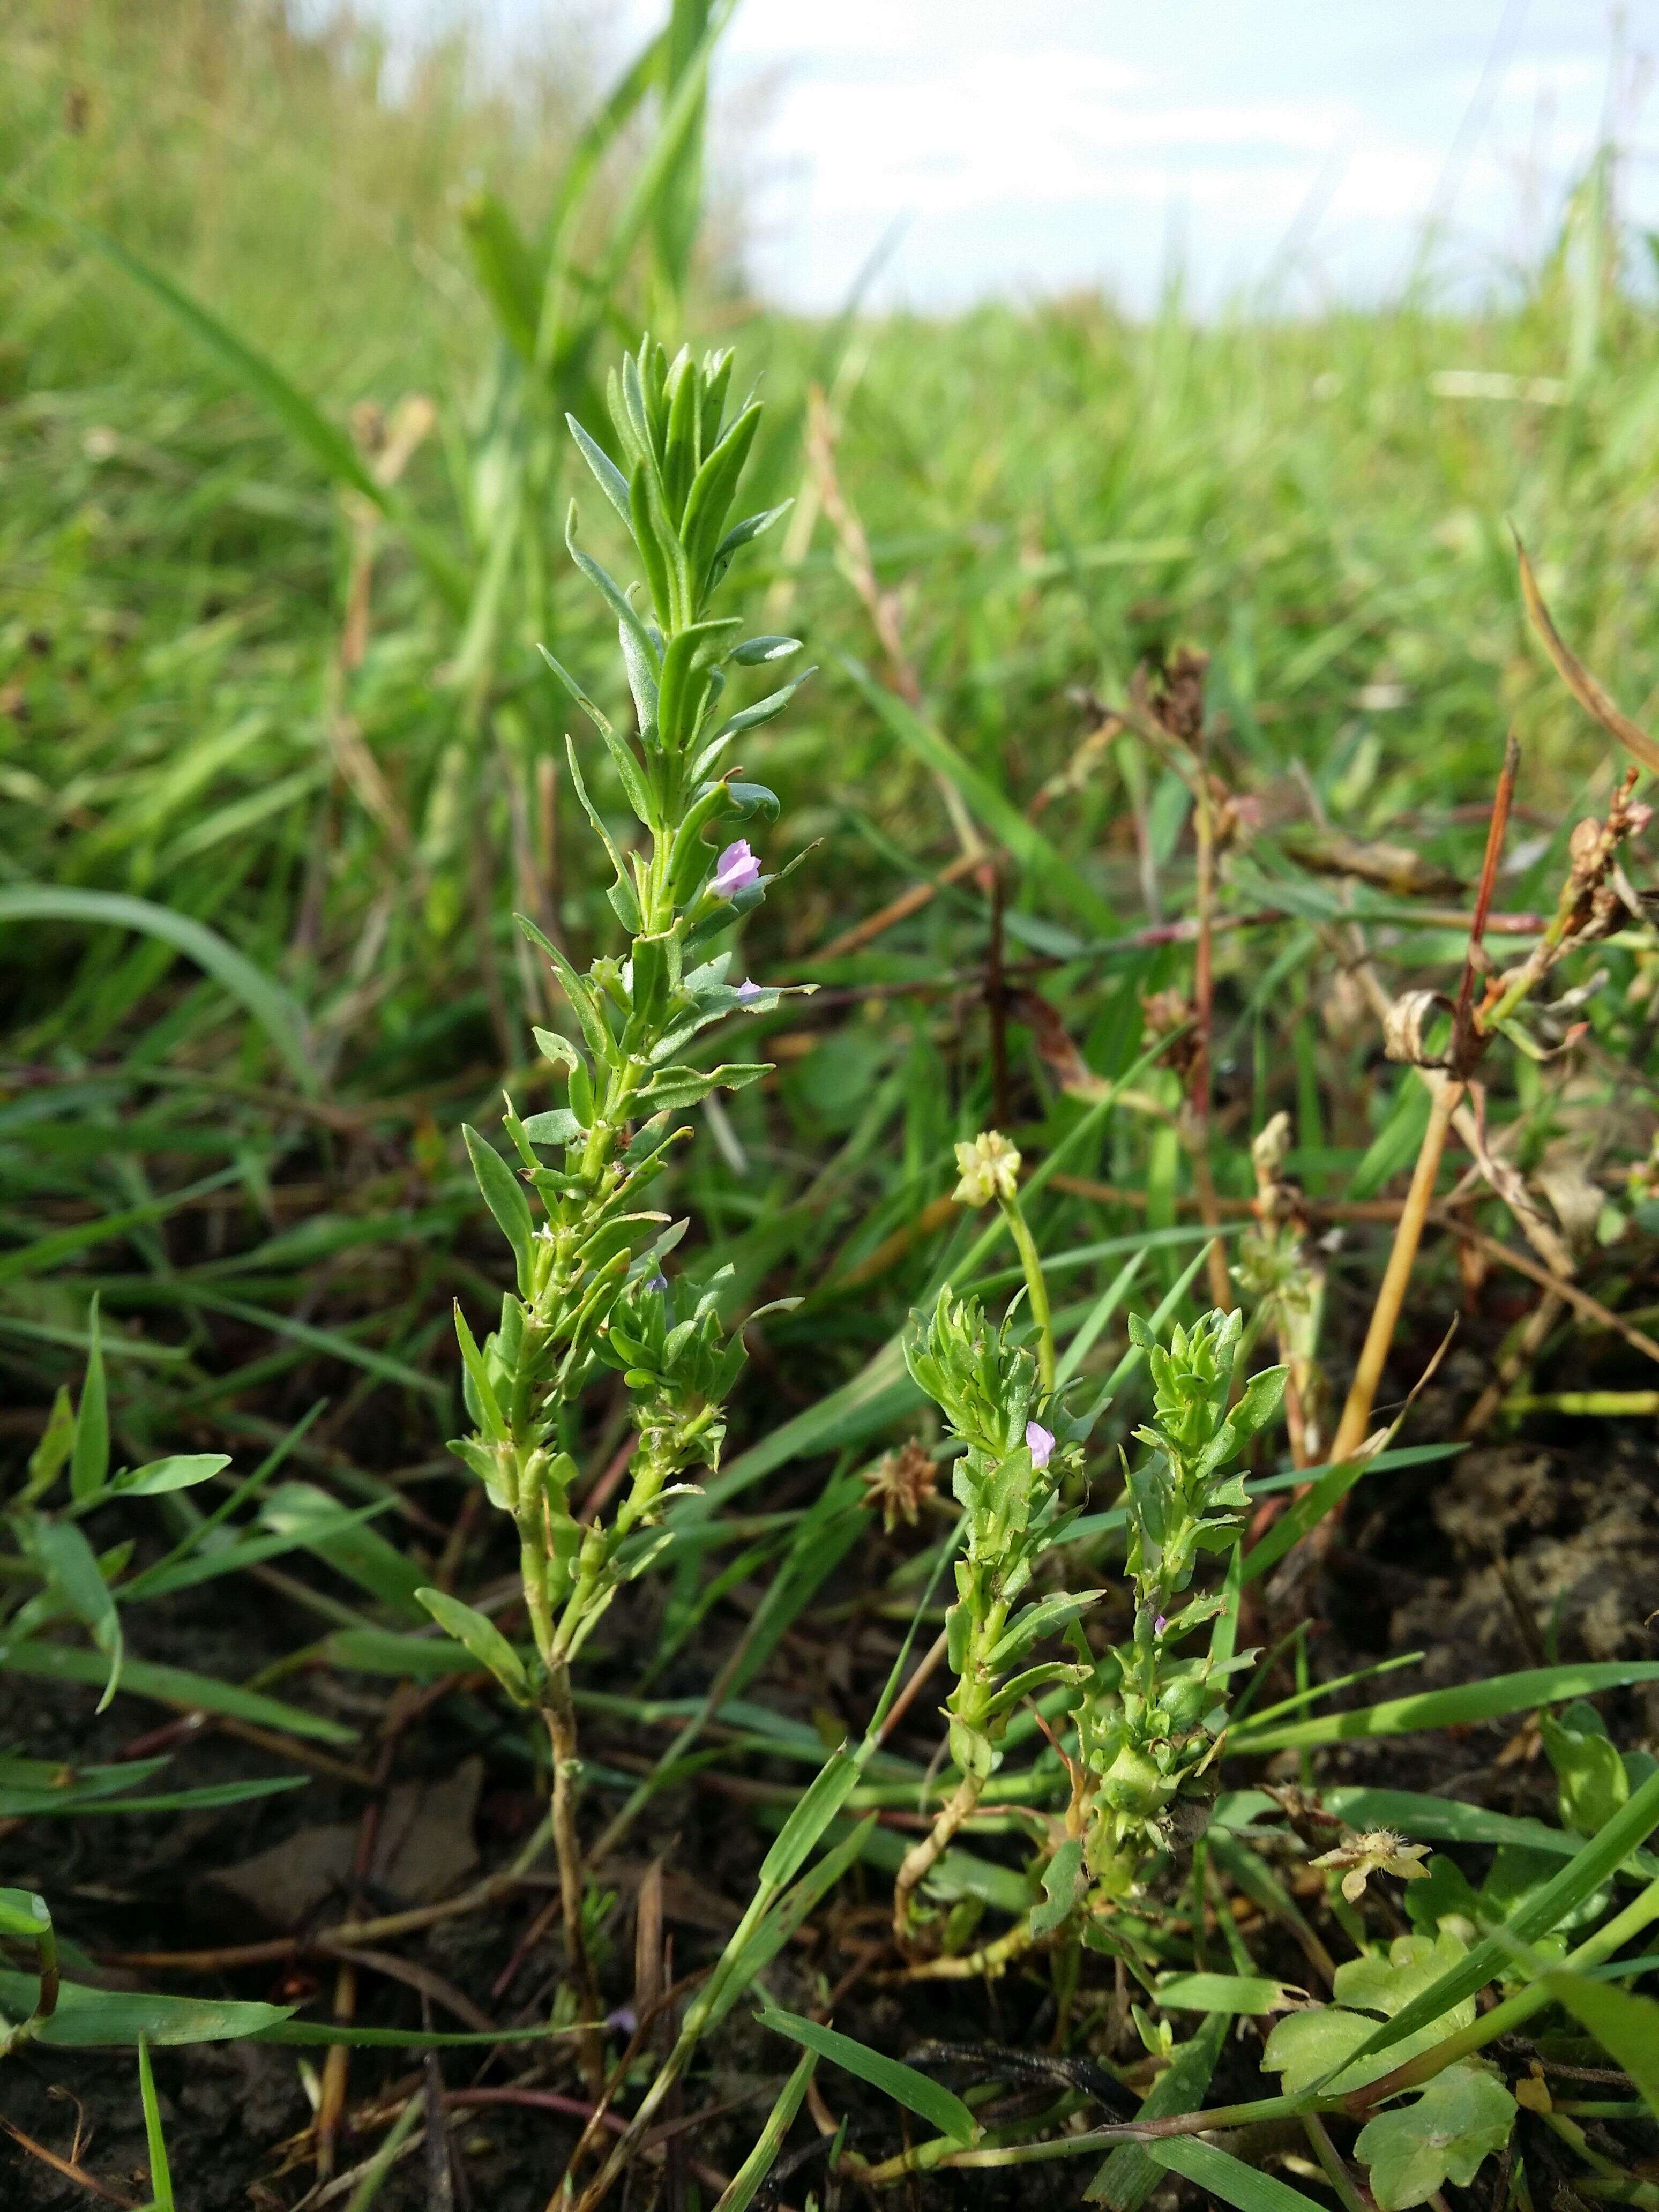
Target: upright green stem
column 1036, row 1289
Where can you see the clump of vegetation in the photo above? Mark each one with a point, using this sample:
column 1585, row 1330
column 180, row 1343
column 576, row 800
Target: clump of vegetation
column 947, row 1524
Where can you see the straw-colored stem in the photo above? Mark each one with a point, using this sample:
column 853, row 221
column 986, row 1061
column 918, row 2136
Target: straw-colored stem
column 561, row 1716
column 1355, row 1424
column 918, row 1859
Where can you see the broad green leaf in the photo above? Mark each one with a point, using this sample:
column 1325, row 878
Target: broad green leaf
column 1462, row 2117
column 24, row 1915
column 86, row 2017
column 480, row 1636
column 1414, row 1963
column 1591, row 1777
column 929, row 2100
column 271, row 1007
column 1309, row 2047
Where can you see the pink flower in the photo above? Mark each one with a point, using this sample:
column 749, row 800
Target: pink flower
column 1160, row 1623
column 735, row 869
column 1039, row 1441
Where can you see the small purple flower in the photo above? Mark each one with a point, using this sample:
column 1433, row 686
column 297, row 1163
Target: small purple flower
column 748, row 991
column 1039, row 1441
column 658, row 1282
column 735, row 869
column 1160, row 1623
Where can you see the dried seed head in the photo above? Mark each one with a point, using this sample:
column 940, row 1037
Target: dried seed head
column 901, row 1482
column 1405, row 1027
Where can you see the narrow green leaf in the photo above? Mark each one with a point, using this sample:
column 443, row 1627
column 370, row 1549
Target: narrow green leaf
column 929, row 2100
column 1626, row 2025
column 308, row 427
column 823, row 1799
column 51, row 1454
column 1432, row 1709
column 86, row 2018
column 741, row 2191
column 1226, row 2178
column 1248, row 1994
column 160, row 2178
column 71, row 1568
column 1129, row 2174
column 24, row 1915
column 504, row 1195
column 45, row 1804
column 505, row 268
column 996, row 812
column 182, row 1472
column 89, row 1459
column 271, row 1007
column 177, row 1687
column 313, row 1519
column 478, row 1635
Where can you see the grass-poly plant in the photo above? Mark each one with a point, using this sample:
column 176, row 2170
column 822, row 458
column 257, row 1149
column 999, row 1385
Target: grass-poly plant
column 593, row 1285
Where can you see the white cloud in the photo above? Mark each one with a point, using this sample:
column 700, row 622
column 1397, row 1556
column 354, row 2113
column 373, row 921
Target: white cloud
column 1041, row 144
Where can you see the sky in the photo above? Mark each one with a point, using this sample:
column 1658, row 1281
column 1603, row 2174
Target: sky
column 1286, row 152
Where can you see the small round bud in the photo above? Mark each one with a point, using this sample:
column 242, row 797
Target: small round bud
column 989, row 1168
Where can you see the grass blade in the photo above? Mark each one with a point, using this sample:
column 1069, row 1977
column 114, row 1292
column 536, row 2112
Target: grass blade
column 740, row 2191
column 1453, row 1708
column 277, row 1013
column 929, row 2100
column 86, row 2019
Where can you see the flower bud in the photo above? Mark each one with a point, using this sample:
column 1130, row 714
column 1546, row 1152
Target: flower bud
column 989, row 1168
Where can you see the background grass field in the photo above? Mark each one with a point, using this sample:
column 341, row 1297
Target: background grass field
column 1049, row 497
